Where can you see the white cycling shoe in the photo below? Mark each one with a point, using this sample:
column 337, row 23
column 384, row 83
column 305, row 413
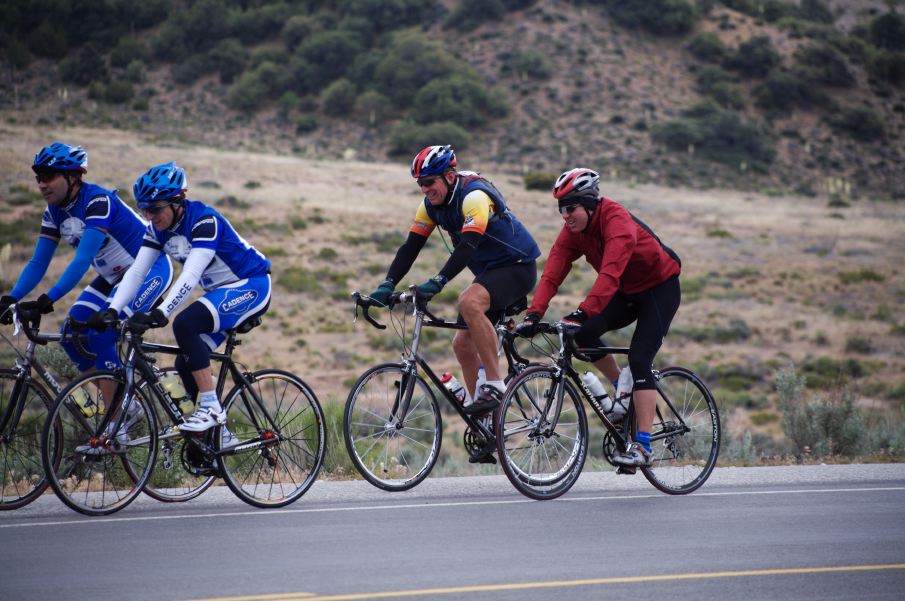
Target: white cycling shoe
column 203, row 419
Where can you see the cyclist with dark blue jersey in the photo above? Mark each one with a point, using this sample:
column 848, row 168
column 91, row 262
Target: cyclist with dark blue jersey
column 106, row 234
column 490, row 241
column 234, row 275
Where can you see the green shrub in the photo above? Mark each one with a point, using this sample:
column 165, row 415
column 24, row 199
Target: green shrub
column 539, row 180
column 136, row 71
column 260, row 23
column 784, row 91
column 662, row 17
column 754, row 57
column 406, row 137
column 459, row 99
column 888, row 31
column 339, row 97
column 228, row 58
column 373, row 107
column 16, row 53
column 707, row 46
column 823, row 372
column 822, row 63
column 297, row 28
column 305, row 124
column 299, row 279
column 471, row 14
column 119, row 91
column 860, row 123
column 127, row 50
column 716, row 83
column 888, row 67
column 394, row 75
column 859, row 276
column 530, row 64
column 329, row 53
column 85, row 67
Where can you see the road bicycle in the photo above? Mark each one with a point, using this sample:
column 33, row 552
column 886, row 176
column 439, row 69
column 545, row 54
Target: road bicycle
column 269, row 452
column 542, row 428
column 392, row 424
column 25, row 404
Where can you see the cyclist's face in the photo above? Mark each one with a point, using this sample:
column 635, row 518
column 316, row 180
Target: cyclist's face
column 435, row 188
column 161, row 215
column 53, row 187
column 576, row 218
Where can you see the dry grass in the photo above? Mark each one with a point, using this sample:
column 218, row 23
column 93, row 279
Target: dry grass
column 770, row 263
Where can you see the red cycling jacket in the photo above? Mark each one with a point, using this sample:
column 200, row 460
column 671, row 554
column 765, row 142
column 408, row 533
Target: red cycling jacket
column 627, row 255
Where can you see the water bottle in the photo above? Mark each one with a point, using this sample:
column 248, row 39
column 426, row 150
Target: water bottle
column 596, row 387
column 482, row 379
column 453, row 386
column 172, row 383
column 84, row 402
column 623, row 394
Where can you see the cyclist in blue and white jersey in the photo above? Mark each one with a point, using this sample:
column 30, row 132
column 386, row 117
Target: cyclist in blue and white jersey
column 106, row 234
column 235, row 276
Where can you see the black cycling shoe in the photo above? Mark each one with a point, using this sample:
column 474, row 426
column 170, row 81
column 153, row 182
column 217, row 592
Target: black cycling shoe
column 486, row 457
column 625, row 470
column 489, row 398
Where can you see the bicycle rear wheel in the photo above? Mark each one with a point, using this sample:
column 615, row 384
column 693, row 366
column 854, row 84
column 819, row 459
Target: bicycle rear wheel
column 91, row 476
column 170, row 481
column 273, row 450
column 685, row 437
column 391, row 454
column 22, row 478
column 541, row 459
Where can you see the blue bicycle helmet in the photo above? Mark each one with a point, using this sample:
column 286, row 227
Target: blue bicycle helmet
column 433, row 160
column 163, row 182
column 61, row 157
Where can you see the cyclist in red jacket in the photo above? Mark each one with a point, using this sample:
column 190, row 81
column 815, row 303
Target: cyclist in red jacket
column 637, row 280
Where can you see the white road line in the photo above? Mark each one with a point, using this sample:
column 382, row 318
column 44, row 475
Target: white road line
column 429, row 505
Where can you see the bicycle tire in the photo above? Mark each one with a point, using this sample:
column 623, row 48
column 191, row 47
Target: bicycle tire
column 390, row 457
column 681, row 461
column 107, row 482
column 273, row 474
column 22, row 476
column 170, row 482
column 541, row 463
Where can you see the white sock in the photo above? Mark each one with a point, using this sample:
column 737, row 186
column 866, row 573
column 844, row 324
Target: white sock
column 209, row 400
column 498, row 384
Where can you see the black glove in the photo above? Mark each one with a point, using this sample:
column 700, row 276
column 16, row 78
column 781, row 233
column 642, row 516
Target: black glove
column 528, row 327
column 40, row 306
column 428, row 289
column 6, row 315
column 102, row 320
column 575, row 319
column 381, row 296
column 154, row 319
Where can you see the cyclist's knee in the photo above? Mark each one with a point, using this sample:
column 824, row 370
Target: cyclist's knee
column 474, row 301
column 640, row 364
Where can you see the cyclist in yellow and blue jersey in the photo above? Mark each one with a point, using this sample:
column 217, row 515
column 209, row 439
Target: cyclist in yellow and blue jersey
column 490, row 241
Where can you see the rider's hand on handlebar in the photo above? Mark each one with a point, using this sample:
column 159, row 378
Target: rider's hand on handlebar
column 528, row 327
column 40, row 306
column 430, row 288
column 102, row 320
column 154, row 319
column 6, row 315
column 574, row 320
column 381, row 296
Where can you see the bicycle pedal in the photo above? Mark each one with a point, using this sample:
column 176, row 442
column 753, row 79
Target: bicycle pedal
column 486, row 458
column 626, row 471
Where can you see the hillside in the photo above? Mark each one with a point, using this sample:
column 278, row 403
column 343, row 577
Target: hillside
column 768, row 281
column 774, row 96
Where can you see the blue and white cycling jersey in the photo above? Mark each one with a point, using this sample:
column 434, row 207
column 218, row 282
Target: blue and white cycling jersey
column 201, row 226
column 98, row 208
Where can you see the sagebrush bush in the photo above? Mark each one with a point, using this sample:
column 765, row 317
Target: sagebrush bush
column 822, row 63
column 707, row 46
column 754, row 58
column 539, row 180
column 406, row 136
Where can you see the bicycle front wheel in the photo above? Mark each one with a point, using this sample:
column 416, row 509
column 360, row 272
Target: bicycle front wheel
column 93, row 472
column 22, row 478
column 171, row 481
column 542, row 451
column 685, row 437
column 392, row 451
column 273, row 444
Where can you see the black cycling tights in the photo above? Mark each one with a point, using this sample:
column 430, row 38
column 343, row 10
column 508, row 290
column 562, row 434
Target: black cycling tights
column 653, row 309
column 188, row 327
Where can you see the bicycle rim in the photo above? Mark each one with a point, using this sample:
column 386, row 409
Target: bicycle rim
column 22, row 478
column 274, row 452
column 102, row 482
column 170, row 481
column 681, row 461
column 391, row 455
column 541, row 461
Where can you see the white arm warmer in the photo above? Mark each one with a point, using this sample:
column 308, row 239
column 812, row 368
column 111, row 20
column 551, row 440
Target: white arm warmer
column 133, row 277
column 195, row 264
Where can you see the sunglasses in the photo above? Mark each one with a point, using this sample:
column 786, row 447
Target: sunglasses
column 427, row 182
column 568, row 210
column 46, row 177
column 154, row 209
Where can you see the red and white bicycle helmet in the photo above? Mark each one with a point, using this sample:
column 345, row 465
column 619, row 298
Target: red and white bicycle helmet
column 577, row 183
column 433, row 160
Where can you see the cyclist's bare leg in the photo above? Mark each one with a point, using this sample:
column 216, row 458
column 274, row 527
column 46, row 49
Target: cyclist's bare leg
column 608, row 367
column 645, row 402
column 467, row 356
column 204, row 379
column 474, row 302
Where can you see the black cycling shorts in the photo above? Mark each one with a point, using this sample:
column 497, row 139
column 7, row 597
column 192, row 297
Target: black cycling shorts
column 653, row 309
column 506, row 286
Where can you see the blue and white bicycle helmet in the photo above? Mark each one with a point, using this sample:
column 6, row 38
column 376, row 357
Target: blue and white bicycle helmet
column 61, row 157
column 433, row 160
column 163, row 182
